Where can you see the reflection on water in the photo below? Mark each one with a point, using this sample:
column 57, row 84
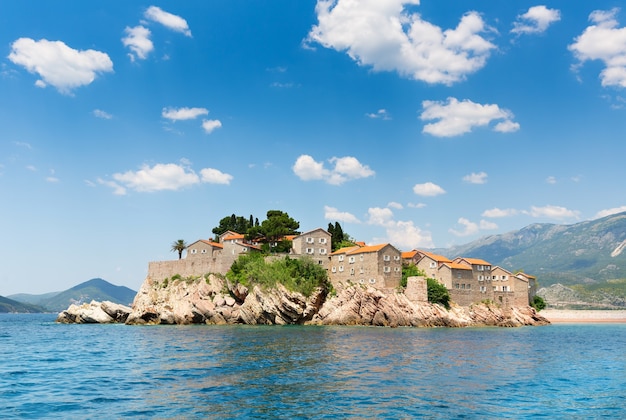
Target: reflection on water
column 303, row 372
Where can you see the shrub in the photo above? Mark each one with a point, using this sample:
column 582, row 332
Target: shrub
column 538, row 303
column 410, row 270
column 298, row 275
column 437, row 293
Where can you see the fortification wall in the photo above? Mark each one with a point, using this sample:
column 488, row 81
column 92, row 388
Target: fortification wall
column 160, row 270
column 416, row 289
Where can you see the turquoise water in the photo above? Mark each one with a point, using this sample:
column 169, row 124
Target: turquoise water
column 50, row 370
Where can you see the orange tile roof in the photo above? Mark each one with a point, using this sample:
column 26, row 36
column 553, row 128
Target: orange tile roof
column 476, row 261
column 233, row 237
column 360, row 243
column 409, row 254
column 370, row 248
column 436, row 257
column 344, row 250
column 458, row 266
column 210, row 242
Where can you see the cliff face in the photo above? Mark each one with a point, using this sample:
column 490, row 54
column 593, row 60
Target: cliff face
column 215, row 301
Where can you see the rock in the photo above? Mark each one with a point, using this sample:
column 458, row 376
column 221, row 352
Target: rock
column 94, row 313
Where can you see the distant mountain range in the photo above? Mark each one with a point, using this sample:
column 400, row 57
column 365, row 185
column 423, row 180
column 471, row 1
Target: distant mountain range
column 94, row 289
column 583, row 253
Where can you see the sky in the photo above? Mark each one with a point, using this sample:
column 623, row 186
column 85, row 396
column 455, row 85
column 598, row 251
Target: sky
column 128, row 125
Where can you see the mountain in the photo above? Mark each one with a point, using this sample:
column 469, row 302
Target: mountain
column 94, row 289
column 10, row 306
column 590, row 252
column 32, row 299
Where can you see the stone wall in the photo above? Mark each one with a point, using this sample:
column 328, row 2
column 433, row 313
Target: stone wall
column 160, row 270
column 416, row 289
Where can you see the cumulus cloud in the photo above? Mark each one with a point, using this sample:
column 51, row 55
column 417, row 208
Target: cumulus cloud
column 553, row 212
column 169, row 20
column 59, row 65
column 214, row 176
column 497, row 213
column 428, row 189
column 535, row 20
column 138, row 41
column 163, row 177
column 380, row 216
column 388, row 37
column 604, row 41
column 609, row 212
column 476, row 178
column 380, row 114
column 394, row 205
column 403, row 234
column 345, row 169
column 332, row 213
column 460, row 117
column 551, row 180
column 101, row 114
column 210, row 125
column 178, row 114
column 471, row 228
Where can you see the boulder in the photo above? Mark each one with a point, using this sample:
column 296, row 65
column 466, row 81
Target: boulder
column 94, row 313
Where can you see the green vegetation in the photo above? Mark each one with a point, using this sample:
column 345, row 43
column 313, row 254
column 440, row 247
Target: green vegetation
column 612, row 290
column 339, row 239
column 234, row 223
column 538, row 303
column 179, row 246
column 437, row 293
column 410, row 270
column 297, row 275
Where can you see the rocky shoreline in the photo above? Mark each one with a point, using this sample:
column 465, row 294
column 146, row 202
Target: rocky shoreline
column 214, row 300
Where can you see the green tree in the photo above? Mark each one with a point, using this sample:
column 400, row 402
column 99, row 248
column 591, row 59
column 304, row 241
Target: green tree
column 179, row 246
column 437, row 293
column 538, row 303
column 234, row 223
column 410, row 270
column 273, row 229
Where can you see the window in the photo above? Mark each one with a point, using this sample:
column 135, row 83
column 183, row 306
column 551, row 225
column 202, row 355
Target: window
column 203, row 251
column 351, row 260
column 457, row 286
column 505, row 289
column 323, row 251
column 352, row 271
column 361, row 281
column 480, row 278
column 322, row 240
column 483, row 289
column 310, row 250
column 396, row 258
column 310, row 240
column 396, row 269
column 361, row 270
column 505, row 277
column 244, row 249
column 193, row 251
column 495, row 288
column 469, row 286
column 334, row 269
column 387, row 269
column 386, row 258
column 340, row 258
column 372, row 281
column 463, row 286
column 480, row 268
column 341, row 268
column 433, row 264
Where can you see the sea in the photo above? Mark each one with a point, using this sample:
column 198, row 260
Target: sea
column 60, row 371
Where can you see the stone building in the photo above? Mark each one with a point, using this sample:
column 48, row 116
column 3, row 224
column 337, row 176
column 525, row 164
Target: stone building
column 379, row 266
column 314, row 243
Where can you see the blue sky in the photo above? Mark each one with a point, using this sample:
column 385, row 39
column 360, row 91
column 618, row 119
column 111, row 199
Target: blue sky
column 129, row 125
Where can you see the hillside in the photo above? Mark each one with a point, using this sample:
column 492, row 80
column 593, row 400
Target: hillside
column 12, row 306
column 589, row 252
column 94, row 289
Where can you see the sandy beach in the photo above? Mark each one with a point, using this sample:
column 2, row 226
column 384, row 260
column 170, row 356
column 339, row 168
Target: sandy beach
column 584, row 316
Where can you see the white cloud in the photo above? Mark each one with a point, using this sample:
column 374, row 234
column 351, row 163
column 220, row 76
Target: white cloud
column 137, row 39
column 331, row 213
column 553, row 212
column 178, row 114
column 381, row 113
column 606, row 42
column 102, row 114
column 472, row 228
column 417, row 205
column 160, row 177
column 551, row 180
column 345, row 169
column 214, row 176
column 405, row 235
column 536, row 20
column 608, row 212
column 460, row 117
column 210, row 125
column 428, row 189
column 394, row 205
column 476, row 178
column 380, row 216
column 388, row 37
column 496, row 213
column 170, row 21
column 59, row 65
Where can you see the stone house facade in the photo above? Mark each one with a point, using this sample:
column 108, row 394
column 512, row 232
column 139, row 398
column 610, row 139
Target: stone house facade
column 315, row 243
column 379, row 266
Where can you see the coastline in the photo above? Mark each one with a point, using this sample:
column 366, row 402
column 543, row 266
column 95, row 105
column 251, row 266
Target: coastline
column 563, row 316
